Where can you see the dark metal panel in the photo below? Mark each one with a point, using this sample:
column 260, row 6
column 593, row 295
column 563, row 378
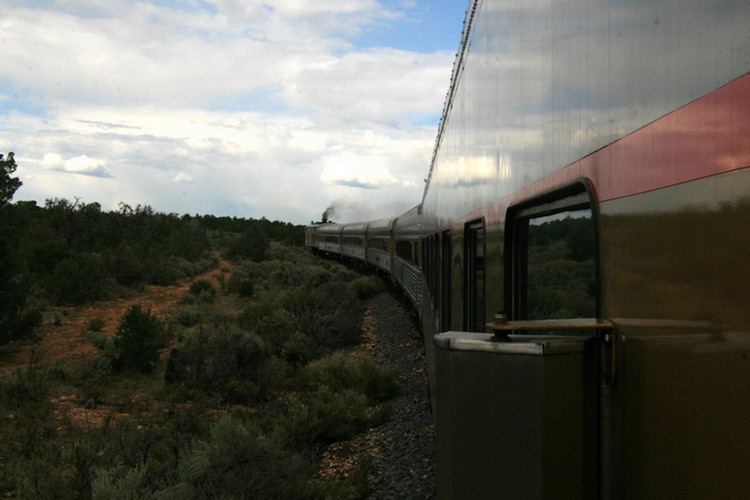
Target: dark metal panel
column 674, row 275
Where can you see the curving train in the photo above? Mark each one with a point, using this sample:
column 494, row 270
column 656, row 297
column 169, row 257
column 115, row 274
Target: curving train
column 579, row 257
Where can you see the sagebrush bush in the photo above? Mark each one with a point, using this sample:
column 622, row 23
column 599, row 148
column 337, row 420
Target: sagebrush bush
column 203, row 290
column 330, row 315
column 96, row 324
column 189, row 316
column 325, row 416
column 342, row 371
column 367, row 287
column 240, row 461
column 244, row 287
column 30, row 384
column 231, row 363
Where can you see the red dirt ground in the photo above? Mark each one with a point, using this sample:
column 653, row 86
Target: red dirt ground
column 68, row 336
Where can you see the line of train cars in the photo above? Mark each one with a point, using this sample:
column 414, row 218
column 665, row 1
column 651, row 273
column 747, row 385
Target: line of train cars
column 591, row 170
column 391, row 246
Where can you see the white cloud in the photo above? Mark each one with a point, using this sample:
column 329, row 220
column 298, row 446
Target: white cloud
column 53, row 161
column 245, row 107
column 87, row 166
column 349, row 170
column 183, row 177
column 381, row 87
column 78, row 165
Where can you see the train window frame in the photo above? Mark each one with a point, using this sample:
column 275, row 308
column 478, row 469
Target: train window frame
column 577, row 195
column 474, row 266
column 446, row 258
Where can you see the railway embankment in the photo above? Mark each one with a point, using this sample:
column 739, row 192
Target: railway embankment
column 402, row 449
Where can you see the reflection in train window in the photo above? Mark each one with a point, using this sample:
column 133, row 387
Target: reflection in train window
column 561, row 272
column 551, row 253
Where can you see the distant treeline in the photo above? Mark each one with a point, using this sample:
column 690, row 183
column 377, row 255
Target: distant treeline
column 70, row 252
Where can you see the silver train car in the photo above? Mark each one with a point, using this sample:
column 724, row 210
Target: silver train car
column 577, row 259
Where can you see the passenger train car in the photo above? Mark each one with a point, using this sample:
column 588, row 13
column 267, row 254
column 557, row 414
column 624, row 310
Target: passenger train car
column 578, row 257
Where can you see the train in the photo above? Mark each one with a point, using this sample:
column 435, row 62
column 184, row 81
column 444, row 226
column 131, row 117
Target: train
column 578, row 259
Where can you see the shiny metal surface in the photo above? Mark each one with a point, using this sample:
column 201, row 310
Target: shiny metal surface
column 546, row 83
column 409, row 225
column 649, row 101
column 380, row 228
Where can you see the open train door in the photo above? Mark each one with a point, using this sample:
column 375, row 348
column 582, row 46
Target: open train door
column 519, row 413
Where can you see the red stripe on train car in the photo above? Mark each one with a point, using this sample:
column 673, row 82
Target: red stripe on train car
column 709, row 136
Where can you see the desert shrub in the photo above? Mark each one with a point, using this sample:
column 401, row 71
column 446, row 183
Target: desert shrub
column 269, row 321
column 126, row 265
column 325, row 416
column 244, row 287
column 199, row 287
column 298, row 349
column 342, row 371
column 96, row 324
column 136, row 341
column 115, row 484
column 367, row 287
column 92, row 378
column 30, row 384
column 78, row 279
column 189, row 316
column 203, row 291
column 20, row 322
column 238, row 460
column 252, row 244
column 170, row 270
column 330, row 315
column 58, row 369
column 231, row 363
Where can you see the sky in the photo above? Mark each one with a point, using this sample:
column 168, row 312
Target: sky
column 247, row 108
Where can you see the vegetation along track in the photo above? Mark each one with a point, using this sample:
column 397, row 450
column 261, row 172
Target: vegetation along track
column 402, row 449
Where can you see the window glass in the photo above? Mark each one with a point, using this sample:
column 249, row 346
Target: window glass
column 474, row 319
column 560, row 279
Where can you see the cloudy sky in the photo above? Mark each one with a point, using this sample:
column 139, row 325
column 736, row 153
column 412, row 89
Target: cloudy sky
column 247, row 108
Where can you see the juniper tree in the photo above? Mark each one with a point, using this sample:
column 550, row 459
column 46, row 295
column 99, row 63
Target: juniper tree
column 8, row 184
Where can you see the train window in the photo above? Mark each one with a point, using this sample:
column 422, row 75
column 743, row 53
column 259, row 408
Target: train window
column 445, row 282
column 553, row 257
column 474, row 320
column 403, row 250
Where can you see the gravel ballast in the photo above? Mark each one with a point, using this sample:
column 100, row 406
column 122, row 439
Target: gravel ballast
column 402, row 449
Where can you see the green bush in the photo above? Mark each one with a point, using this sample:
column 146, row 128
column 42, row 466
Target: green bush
column 240, row 461
column 244, row 287
column 136, row 341
column 30, row 385
column 77, row 280
column 252, row 244
column 330, row 315
column 199, row 287
column 96, row 324
column 189, row 316
column 325, row 416
column 342, row 371
column 367, row 287
column 203, row 291
column 230, row 363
